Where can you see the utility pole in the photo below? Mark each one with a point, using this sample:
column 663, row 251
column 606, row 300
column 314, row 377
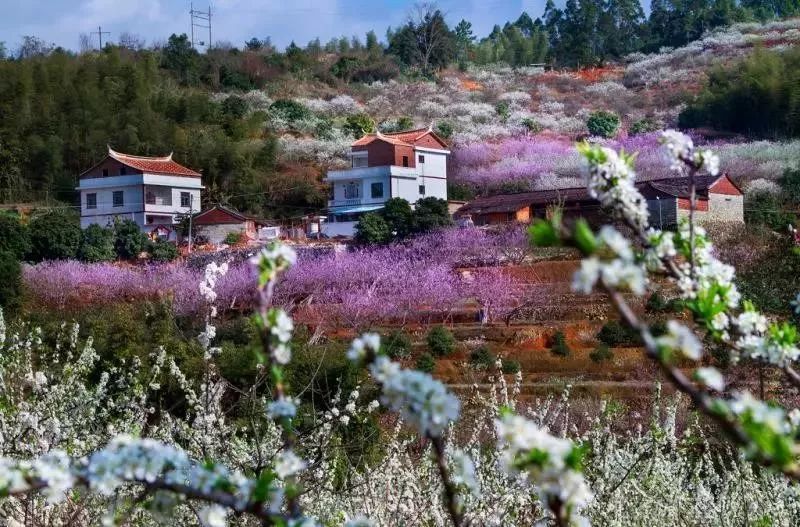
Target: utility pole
column 191, row 213
column 200, row 19
column 100, row 34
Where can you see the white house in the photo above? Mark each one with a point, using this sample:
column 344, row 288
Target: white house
column 155, row 192
column 409, row 165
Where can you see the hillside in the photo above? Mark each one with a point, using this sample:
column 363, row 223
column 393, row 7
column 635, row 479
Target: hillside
column 265, row 150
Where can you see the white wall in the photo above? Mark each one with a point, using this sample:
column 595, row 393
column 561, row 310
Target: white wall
column 344, row 228
column 435, row 163
column 132, row 201
column 365, row 186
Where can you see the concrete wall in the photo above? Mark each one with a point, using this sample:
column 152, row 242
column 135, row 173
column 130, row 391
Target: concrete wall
column 344, row 228
column 216, row 233
column 726, row 207
column 133, row 200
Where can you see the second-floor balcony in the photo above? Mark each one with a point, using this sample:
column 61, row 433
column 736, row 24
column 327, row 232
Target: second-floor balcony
column 372, row 172
column 348, row 202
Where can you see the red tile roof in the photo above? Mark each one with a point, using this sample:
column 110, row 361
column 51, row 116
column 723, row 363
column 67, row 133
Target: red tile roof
column 404, row 138
column 153, row 165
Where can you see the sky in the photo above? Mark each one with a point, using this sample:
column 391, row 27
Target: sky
column 235, row 21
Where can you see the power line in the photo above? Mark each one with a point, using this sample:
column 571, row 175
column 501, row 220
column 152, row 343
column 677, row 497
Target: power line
column 100, row 34
column 202, row 20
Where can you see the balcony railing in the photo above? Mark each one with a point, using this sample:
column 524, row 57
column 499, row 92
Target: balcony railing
column 345, row 202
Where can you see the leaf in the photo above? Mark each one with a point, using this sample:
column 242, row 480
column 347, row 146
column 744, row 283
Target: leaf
column 584, row 237
column 543, row 234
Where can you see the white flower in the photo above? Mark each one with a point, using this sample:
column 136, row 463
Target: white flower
column 213, row 516
column 359, row 521
column 281, row 325
column 418, row 397
column 720, row 321
column 463, row 472
column 282, row 354
column 707, row 160
column 751, row 322
column 360, row 346
column 796, row 304
column 615, row 241
column 288, row 464
column 679, row 147
column 281, row 408
column 794, row 417
column 585, row 278
column 710, row 377
column 681, row 339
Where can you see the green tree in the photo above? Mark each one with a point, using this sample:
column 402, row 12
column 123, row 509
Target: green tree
column 603, row 124
column 559, row 346
column 440, row 341
column 426, row 363
column 430, row 214
column 14, row 235
column 359, row 125
column 97, row 244
column 181, row 58
column 162, row 250
column 399, row 216
column 11, row 284
column 55, row 235
column 129, row 240
column 372, row 229
column 425, row 42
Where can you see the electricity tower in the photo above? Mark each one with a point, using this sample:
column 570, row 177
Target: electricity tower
column 202, row 20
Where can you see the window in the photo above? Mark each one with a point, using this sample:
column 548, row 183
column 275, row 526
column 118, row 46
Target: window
column 105, row 172
column 186, row 199
column 351, row 191
column 377, row 190
column 405, row 161
column 360, row 161
column 118, row 199
column 422, row 190
column 422, row 159
column 91, row 201
column 122, row 171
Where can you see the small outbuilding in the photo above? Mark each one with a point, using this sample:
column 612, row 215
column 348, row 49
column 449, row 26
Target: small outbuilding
column 216, row 223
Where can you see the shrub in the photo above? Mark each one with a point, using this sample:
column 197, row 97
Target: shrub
column 643, row 126
column 359, row 125
column 426, row 363
column 398, row 214
column 291, row 110
column 601, row 353
column 444, row 129
column 429, row 214
column 11, row 284
column 372, row 229
column 615, row 334
column 129, row 240
column 503, row 110
column 510, row 366
column 482, row 357
column 14, row 236
column 235, row 238
column 765, row 208
column 603, row 124
column 55, row 235
column 656, row 303
column 162, row 251
column 532, row 125
column 97, row 244
column 397, row 345
column 559, row 346
column 440, row 341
